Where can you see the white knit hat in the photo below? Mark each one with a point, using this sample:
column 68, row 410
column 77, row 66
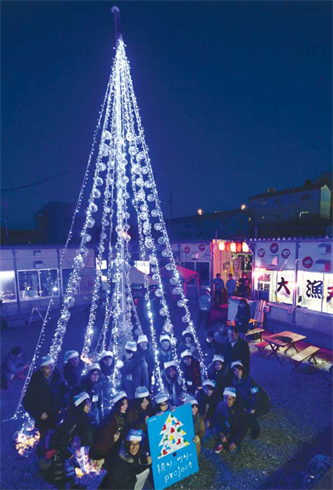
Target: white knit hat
column 218, row 358
column 118, row 396
column 141, row 392
column 209, row 382
column 134, row 435
column 46, row 361
column 165, row 337
column 131, row 345
column 78, row 399
column 161, row 397
column 169, row 364
column 70, row 354
column 229, row 391
column 191, row 400
column 93, row 367
column 236, row 363
column 142, row 338
column 186, row 353
column 187, row 332
column 105, row 353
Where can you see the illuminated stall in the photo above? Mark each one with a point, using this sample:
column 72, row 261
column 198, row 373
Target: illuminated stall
column 233, row 257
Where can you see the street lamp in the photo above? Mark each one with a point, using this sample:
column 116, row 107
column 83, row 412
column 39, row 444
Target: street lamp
column 200, row 212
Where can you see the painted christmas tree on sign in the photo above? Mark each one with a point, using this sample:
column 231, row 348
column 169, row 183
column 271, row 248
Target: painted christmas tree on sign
column 172, row 436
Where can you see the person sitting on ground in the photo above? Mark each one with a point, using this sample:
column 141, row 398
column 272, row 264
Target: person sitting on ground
column 219, row 371
column 130, row 467
column 107, row 367
column 188, row 343
column 221, row 337
column 243, row 317
column 251, row 398
column 165, row 353
column 134, row 372
column 12, row 367
column 205, row 302
column 230, row 424
column 139, row 412
column 91, row 384
column 172, row 383
column 47, row 396
column 73, row 368
column 210, row 347
column 237, row 349
column 162, row 403
column 198, row 423
column 208, row 400
column 56, row 462
column 191, row 371
column 110, row 433
column 146, row 352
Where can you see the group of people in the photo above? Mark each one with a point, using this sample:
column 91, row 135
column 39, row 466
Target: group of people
column 224, row 291
column 83, row 407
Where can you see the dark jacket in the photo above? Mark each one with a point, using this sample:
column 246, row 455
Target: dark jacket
column 123, row 473
column 164, row 356
column 46, row 396
column 134, row 373
column 240, row 352
column 222, row 377
column 104, row 446
column 251, row 396
column 222, row 340
column 207, row 404
column 148, row 356
column 95, row 392
column 192, row 347
column 210, row 349
column 12, row 365
column 232, row 422
column 106, row 384
column 72, row 374
column 192, row 375
column 173, row 388
column 242, row 318
column 136, row 417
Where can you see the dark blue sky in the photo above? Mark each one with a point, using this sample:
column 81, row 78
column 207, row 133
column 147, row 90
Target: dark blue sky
column 234, row 96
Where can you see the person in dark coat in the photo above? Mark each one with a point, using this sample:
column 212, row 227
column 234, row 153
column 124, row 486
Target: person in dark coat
column 47, row 396
column 140, row 410
column 12, row 367
column 146, row 352
column 187, row 343
column 221, row 337
column 92, row 385
column 110, row 433
column 165, row 353
column 107, row 367
column 134, row 372
column 252, row 401
column 230, row 424
column 237, row 349
column 128, row 465
column 219, row 371
column 73, row 368
column 172, row 383
column 191, row 371
column 208, row 400
column 210, row 348
column 56, row 453
column 243, row 317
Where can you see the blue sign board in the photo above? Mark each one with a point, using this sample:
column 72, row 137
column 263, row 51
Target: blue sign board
column 172, row 449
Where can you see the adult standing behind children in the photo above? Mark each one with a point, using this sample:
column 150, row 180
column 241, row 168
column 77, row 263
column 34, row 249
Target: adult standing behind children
column 218, row 283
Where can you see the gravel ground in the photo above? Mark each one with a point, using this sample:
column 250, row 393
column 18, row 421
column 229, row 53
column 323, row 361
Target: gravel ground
column 298, row 427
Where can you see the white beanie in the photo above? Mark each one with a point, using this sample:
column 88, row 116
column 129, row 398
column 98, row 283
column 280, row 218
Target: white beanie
column 165, row 337
column 169, row 364
column 105, row 353
column 70, row 354
column 134, row 435
column 161, row 397
column 93, row 367
column 236, row 363
column 209, row 382
column 118, row 396
column 229, row 391
column 142, row 338
column 131, row 345
column 186, row 353
column 80, row 398
column 191, row 400
column 187, row 332
column 141, row 392
column 218, row 358
column 46, row 360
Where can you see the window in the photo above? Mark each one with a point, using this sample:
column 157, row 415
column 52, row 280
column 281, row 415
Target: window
column 28, row 284
column 305, row 197
column 49, row 284
column 7, row 286
column 35, row 284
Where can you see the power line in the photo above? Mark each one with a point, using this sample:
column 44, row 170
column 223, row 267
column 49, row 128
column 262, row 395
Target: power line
column 48, row 179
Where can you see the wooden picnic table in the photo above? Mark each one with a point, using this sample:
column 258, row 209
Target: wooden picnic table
column 283, row 339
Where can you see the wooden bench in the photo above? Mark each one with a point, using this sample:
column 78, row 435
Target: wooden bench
column 305, row 355
column 261, row 346
column 255, row 331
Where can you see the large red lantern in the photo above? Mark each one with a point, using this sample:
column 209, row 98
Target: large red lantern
column 227, row 247
column 238, row 247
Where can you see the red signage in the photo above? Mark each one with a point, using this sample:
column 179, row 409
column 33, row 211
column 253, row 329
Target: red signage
column 202, row 247
column 285, row 253
column 261, row 252
column 187, row 250
column 307, row 262
column 274, row 248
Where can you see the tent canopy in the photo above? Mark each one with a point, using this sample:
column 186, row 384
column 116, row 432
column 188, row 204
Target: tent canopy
column 137, row 277
column 185, row 274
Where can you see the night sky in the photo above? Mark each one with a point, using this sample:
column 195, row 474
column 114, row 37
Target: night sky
column 235, row 97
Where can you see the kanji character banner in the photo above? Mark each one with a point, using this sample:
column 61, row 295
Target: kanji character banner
column 171, row 446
